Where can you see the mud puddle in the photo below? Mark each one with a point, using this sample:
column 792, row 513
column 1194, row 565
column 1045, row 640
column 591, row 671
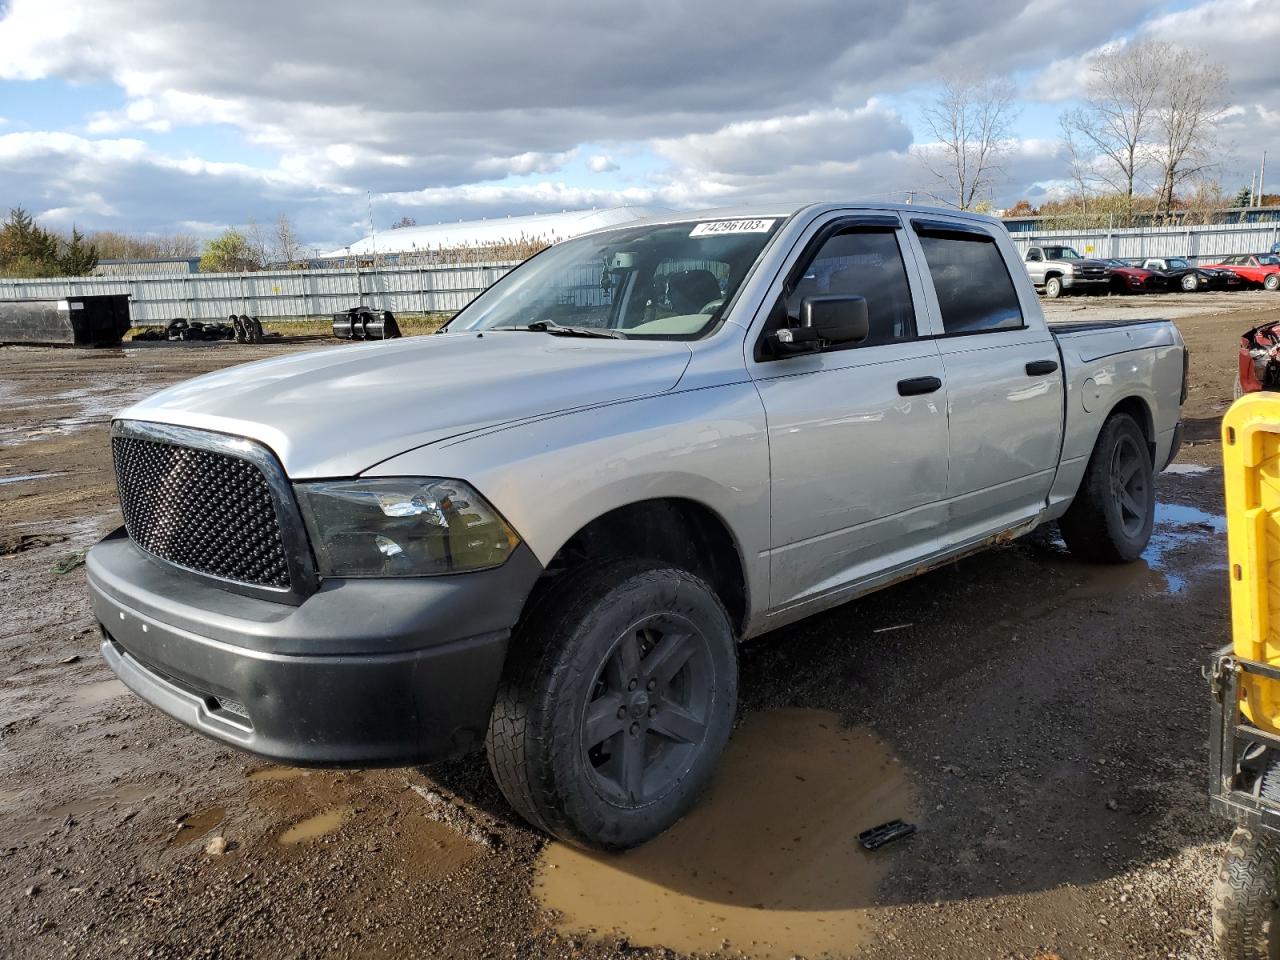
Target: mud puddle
column 767, row 865
column 316, row 826
column 276, row 774
column 1178, row 526
column 197, row 825
column 92, row 694
column 86, row 814
column 27, row 477
column 1186, row 542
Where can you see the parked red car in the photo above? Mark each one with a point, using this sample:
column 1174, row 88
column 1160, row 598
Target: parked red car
column 1255, row 269
column 1128, row 278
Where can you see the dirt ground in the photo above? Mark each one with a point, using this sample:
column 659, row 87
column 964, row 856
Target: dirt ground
column 1044, row 723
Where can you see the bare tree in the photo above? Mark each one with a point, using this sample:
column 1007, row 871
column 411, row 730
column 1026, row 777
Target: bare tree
column 259, row 249
column 1119, row 115
column 288, row 249
column 970, row 122
column 1081, row 173
column 405, row 221
column 123, row 246
column 1191, row 103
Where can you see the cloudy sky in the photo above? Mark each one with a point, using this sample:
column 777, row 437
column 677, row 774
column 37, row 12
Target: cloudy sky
column 154, row 116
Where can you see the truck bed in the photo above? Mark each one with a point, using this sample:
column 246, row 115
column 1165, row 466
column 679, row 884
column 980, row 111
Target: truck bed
column 1082, row 326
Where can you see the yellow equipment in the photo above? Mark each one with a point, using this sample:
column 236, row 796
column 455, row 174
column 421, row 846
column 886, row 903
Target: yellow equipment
column 1251, row 469
column 1244, row 738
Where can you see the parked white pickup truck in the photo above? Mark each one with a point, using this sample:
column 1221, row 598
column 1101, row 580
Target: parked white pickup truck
column 548, row 528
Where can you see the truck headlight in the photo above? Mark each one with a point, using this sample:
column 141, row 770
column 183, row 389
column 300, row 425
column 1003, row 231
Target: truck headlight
column 402, row 527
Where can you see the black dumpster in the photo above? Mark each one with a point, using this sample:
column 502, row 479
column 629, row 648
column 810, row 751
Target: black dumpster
column 89, row 321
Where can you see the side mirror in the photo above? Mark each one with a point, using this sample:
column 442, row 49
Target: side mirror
column 832, row 318
column 836, row 318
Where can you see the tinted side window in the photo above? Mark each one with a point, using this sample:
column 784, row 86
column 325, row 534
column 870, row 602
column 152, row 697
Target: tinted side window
column 863, row 264
column 974, row 288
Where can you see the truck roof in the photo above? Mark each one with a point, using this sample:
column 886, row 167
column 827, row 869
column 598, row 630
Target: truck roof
column 783, row 211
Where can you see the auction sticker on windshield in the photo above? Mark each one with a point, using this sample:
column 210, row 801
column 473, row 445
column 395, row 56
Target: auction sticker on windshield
column 713, row 227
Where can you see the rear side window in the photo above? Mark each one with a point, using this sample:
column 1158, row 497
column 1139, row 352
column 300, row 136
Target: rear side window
column 975, row 292
column 864, row 264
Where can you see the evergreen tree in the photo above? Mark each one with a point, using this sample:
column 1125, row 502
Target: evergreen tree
column 79, row 259
column 26, row 249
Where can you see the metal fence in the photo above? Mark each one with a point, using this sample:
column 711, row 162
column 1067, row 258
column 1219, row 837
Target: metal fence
column 290, row 293
column 1202, row 242
column 446, row 289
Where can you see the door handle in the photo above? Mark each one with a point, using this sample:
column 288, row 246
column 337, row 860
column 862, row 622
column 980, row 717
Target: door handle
column 918, row 385
column 1038, row 368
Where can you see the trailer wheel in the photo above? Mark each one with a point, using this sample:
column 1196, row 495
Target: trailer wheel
column 618, row 699
column 1053, row 288
column 1246, row 899
column 1110, row 519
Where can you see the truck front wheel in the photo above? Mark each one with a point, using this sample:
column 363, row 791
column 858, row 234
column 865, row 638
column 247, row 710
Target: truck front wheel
column 1111, row 517
column 618, row 699
column 1053, row 288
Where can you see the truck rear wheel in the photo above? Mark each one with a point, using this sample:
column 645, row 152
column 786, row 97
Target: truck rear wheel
column 1053, row 288
column 1111, row 517
column 618, row 699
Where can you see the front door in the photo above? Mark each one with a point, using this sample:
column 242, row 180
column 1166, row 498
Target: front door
column 857, row 432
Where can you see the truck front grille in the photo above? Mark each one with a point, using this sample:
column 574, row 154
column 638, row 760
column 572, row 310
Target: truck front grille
column 206, row 511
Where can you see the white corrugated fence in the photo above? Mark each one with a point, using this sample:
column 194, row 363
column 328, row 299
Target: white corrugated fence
column 1205, row 242
column 289, row 293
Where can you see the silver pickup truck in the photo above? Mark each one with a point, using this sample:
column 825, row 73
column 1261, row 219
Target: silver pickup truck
column 547, row 528
column 1058, row 269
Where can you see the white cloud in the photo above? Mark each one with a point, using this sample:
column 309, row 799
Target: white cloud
column 738, row 100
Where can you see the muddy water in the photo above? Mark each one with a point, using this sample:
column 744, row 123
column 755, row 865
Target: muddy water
column 1185, row 542
column 197, row 825
column 767, row 863
column 92, row 694
column 277, row 774
column 316, row 826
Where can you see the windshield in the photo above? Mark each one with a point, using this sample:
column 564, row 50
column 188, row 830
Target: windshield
column 668, row 281
column 1061, row 253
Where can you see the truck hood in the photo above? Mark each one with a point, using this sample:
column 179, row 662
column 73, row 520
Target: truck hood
column 339, row 411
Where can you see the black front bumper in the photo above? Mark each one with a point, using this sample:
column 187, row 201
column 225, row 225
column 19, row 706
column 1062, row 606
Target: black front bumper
column 362, row 672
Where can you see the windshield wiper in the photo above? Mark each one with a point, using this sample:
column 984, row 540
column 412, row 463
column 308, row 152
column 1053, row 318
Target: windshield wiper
column 550, row 326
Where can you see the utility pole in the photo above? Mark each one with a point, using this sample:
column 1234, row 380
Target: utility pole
column 1262, row 179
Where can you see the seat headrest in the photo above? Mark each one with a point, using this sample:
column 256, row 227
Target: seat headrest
column 691, row 290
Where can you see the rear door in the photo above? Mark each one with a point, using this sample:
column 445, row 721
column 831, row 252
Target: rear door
column 1004, row 382
column 857, row 432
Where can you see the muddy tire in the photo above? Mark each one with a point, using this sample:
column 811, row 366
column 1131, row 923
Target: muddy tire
column 1111, row 517
column 1053, row 288
column 1272, row 282
column 1246, row 899
column 617, row 701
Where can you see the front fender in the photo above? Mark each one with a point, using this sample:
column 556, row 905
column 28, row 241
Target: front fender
column 551, row 477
